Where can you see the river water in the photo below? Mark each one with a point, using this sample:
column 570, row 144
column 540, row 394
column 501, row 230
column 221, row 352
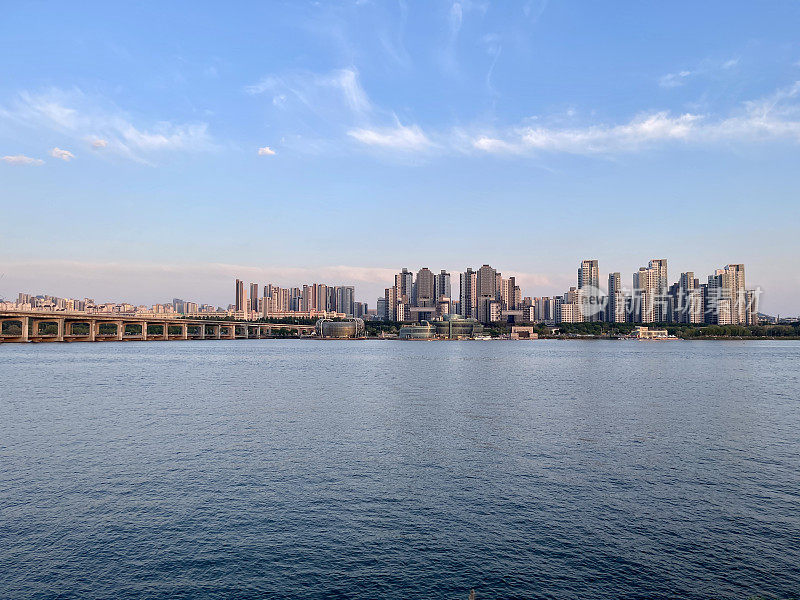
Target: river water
column 383, row 469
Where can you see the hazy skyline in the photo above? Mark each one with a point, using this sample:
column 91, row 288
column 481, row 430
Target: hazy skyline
column 157, row 151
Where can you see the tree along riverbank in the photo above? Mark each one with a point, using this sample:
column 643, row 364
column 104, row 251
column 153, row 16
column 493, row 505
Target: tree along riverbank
column 615, row 330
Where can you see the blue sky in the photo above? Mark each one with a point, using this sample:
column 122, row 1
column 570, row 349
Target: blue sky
column 162, row 149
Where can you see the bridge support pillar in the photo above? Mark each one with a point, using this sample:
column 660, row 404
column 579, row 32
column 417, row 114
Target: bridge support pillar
column 166, row 330
column 25, row 325
column 120, row 330
column 93, row 325
column 184, row 331
column 61, row 324
column 202, row 331
column 144, row 331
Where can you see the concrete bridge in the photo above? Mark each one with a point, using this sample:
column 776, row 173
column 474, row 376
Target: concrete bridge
column 27, row 326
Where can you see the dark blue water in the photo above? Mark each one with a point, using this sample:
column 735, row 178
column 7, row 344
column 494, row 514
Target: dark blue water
column 299, row 469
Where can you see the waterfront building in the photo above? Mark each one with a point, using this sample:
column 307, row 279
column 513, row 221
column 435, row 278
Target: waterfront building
column 520, row 332
column 351, row 327
column 421, row 331
column 454, row 327
column 645, row 333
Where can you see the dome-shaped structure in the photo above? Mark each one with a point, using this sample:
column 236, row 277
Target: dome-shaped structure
column 423, row 331
column 349, row 328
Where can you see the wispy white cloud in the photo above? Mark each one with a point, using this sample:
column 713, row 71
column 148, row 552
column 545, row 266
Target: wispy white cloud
column 266, row 151
column 671, row 80
column 20, row 159
column 317, row 92
column 327, row 106
column 772, row 118
column 399, row 137
column 84, row 118
column 706, row 67
column 590, row 140
column 64, row 155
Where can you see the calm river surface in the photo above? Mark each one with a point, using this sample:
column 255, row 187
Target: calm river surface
column 368, row 469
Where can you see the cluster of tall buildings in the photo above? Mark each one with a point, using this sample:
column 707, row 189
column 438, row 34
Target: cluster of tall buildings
column 488, row 297
column 48, row 303
column 722, row 300
column 316, row 299
column 484, row 295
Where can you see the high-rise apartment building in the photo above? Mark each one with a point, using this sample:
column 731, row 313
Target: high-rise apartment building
column 686, row 300
column 390, row 295
column 660, row 302
column 615, row 305
column 730, row 282
column 382, row 307
column 589, row 274
column 488, row 287
column 424, row 288
column 468, row 294
column 345, row 299
column 589, row 281
column 486, row 281
column 441, row 285
column 254, row 297
column 404, row 282
column 650, row 287
column 241, row 296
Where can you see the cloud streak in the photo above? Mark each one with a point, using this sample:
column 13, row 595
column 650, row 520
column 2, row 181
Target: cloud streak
column 94, row 120
column 774, row 118
column 706, row 67
column 20, row 159
column 316, row 92
column 399, row 137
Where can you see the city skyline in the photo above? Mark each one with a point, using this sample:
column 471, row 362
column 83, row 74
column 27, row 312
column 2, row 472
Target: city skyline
column 426, row 130
column 482, row 294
